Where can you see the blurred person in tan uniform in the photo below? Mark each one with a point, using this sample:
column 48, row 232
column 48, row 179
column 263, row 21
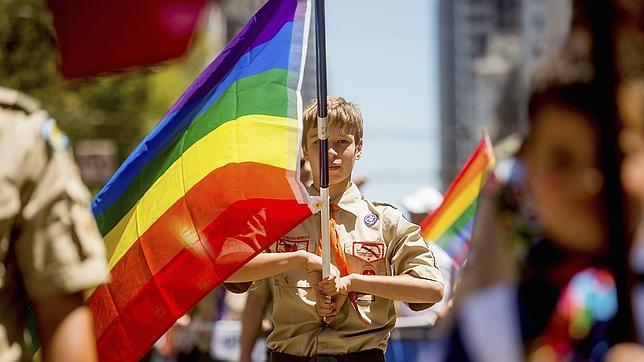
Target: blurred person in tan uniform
column 50, row 248
column 259, row 304
column 387, row 260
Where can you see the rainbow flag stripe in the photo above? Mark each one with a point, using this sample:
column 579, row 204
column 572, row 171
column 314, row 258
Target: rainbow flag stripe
column 450, row 226
column 210, row 187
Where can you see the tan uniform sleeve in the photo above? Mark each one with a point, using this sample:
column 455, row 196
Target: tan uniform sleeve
column 243, row 287
column 59, row 248
column 409, row 253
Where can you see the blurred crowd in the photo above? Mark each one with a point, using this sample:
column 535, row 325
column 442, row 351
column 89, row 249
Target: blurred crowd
column 544, row 279
column 540, row 282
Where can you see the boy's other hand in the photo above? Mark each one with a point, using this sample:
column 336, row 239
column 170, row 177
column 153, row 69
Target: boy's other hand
column 325, row 306
column 330, row 286
column 311, row 262
column 332, row 293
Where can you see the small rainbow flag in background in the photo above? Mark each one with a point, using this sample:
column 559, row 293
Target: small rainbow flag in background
column 209, row 188
column 450, row 226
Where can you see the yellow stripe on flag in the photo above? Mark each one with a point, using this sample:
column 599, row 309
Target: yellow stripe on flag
column 242, row 140
column 460, row 203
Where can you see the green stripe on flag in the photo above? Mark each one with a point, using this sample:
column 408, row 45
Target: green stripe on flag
column 457, row 226
column 259, row 94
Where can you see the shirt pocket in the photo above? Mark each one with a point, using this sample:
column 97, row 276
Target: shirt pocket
column 293, row 288
column 367, row 258
column 294, row 279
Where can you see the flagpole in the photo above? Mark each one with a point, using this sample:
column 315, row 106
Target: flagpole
column 323, row 134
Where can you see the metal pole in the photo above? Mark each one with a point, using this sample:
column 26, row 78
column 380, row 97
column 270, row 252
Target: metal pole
column 323, row 134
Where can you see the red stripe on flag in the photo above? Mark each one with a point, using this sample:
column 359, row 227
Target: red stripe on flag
column 188, row 217
column 238, row 231
column 188, row 277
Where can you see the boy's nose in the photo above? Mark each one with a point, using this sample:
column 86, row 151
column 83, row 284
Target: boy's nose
column 588, row 183
column 332, row 152
column 593, row 181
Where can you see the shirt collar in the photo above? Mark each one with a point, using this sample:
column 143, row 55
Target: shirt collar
column 347, row 201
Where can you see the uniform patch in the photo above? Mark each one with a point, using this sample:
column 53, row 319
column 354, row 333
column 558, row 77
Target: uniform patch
column 368, row 270
column 364, row 297
column 293, row 243
column 360, row 297
column 369, row 251
column 370, row 220
column 53, row 135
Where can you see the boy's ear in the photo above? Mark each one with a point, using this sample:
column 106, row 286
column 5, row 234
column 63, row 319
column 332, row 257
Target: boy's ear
column 305, row 153
column 359, row 150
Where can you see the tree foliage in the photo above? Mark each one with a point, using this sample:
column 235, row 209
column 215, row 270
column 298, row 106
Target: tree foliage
column 122, row 107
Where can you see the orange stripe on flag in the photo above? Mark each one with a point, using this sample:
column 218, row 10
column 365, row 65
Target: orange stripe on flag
column 184, row 225
column 463, row 190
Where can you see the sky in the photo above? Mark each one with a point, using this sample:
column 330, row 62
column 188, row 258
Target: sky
column 383, row 56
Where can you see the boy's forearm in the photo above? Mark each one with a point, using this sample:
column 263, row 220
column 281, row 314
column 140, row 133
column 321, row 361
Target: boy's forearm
column 404, row 288
column 268, row 264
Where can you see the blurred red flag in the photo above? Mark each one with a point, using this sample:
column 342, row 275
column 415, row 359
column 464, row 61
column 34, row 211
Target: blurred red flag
column 106, row 36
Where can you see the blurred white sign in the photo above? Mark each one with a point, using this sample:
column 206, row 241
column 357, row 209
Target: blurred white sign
column 225, row 342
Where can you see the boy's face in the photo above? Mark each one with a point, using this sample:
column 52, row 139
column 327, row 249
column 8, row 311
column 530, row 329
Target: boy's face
column 306, row 177
column 344, row 150
column 564, row 178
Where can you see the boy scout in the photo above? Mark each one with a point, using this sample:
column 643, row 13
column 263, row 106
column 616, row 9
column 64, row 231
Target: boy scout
column 386, row 257
column 50, row 248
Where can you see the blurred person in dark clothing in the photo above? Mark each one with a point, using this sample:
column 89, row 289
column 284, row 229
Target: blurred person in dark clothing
column 548, row 293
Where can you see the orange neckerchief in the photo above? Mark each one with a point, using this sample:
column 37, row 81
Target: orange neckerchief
column 339, row 259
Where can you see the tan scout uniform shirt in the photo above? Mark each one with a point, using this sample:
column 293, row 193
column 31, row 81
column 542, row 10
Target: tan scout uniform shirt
column 376, row 240
column 49, row 243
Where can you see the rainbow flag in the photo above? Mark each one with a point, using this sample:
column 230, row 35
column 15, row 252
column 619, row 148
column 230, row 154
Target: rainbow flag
column 450, row 226
column 209, row 188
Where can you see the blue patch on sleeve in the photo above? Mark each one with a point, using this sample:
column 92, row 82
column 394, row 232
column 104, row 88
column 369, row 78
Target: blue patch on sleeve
column 55, row 138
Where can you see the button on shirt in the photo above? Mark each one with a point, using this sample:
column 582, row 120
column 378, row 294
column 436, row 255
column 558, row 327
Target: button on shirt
column 377, row 240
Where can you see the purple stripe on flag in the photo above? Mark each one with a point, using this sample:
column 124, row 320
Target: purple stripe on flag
column 262, row 27
column 455, row 242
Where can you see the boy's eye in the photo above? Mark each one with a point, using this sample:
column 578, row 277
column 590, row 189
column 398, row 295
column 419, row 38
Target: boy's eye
column 343, row 141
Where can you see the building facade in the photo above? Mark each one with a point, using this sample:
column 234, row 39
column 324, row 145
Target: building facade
column 488, row 50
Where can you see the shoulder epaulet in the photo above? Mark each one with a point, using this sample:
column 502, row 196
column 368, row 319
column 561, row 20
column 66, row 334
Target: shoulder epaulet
column 380, row 203
column 14, row 99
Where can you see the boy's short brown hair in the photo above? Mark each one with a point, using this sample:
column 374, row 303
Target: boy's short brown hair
column 339, row 112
